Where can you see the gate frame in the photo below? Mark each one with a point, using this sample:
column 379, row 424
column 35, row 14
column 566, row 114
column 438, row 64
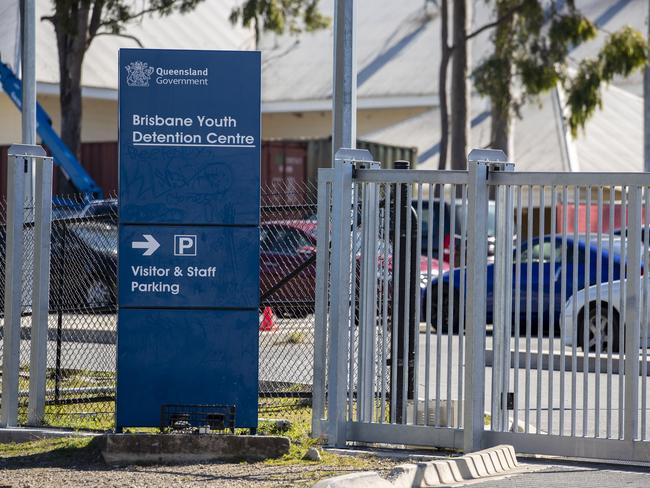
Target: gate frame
column 486, row 168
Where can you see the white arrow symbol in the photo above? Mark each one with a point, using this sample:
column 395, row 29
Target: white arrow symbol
column 150, row 244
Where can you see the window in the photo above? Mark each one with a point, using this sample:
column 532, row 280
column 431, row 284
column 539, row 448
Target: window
column 282, row 240
column 543, row 250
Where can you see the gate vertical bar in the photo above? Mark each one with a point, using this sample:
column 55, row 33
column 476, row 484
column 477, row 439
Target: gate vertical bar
column 367, row 299
column 40, row 291
column 16, row 166
column 501, row 336
column 320, row 308
column 476, row 288
column 507, row 312
column 342, row 220
column 633, row 315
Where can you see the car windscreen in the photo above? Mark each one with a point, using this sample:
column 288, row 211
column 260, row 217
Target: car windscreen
column 98, row 236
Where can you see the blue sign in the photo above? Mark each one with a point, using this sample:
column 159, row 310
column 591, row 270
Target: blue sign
column 172, row 266
column 189, row 137
column 189, row 142
column 201, row 357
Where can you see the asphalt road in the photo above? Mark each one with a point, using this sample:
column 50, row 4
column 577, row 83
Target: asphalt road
column 585, row 399
column 575, row 475
column 591, row 405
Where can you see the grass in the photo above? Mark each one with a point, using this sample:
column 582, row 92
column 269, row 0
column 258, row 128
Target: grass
column 70, row 378
column 82, row 416
column 60, row 445
column 94, row 416
column 296, row 338
column 97, row 416
column 298, row 432
column 62, row 452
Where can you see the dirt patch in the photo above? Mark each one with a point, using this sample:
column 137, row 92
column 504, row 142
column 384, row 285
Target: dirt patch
column 75, row 463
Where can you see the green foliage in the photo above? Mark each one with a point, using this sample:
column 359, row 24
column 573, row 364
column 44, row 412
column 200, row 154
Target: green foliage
column 623, row 52
column 531, row 51
column 280, row 16
column 109, row 16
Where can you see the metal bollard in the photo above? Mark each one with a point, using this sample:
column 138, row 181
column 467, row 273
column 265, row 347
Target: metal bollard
column 405, row 293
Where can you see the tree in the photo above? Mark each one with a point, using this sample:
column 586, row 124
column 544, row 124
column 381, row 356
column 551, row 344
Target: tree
column 531, row 52
column 442, row 84
column 646, row 110
column 279, row 16
column 78, row 22
column 458, row 52
column 460, row 89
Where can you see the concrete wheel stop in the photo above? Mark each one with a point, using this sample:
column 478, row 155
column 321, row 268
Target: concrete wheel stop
column 493, row 462
column 190, row 448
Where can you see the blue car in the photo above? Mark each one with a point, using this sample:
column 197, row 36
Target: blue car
column 542, row 250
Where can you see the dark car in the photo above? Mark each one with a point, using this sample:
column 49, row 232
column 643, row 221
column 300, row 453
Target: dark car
column 538, row 250
column 83, row 266
column 103, row 208
column 446, row 238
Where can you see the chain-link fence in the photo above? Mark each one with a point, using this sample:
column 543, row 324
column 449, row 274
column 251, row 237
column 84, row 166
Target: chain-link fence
column 82, row 325
column 287, row 294
column 80, row 376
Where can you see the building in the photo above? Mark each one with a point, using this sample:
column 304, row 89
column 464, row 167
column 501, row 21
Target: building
column 398, row 60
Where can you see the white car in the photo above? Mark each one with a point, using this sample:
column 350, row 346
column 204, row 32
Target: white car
column 594, row 318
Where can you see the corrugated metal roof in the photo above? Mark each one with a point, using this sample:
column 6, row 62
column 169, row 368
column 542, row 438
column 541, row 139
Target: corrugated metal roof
column 398, row 49
column 206, row 27
column 8, row 30
column 612, row 141
column 398, row 45
column 398, row 53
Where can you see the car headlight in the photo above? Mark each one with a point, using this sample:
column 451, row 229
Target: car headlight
column 424, row 277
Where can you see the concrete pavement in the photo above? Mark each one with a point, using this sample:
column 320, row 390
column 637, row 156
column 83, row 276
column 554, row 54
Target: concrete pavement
column 561, row 474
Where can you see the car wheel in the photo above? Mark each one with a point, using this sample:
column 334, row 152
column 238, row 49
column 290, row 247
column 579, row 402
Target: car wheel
column 445, row 311
column 98, row 295
column 600, row 321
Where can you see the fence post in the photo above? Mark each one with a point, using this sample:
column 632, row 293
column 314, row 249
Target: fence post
column 321, row 301
column 40, row 290
column 19, row 157
column 633, row 314
column 477, row 194
column 502, row 297
column 340, row 282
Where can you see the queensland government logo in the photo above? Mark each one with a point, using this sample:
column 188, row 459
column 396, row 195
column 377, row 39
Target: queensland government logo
column 139, row 73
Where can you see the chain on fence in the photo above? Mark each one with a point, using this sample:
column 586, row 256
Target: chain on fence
column 82, row 325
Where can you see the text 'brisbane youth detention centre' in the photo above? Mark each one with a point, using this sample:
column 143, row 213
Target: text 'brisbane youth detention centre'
column 156, row 137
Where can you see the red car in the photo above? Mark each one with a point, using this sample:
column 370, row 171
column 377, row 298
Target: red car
column 288, row 266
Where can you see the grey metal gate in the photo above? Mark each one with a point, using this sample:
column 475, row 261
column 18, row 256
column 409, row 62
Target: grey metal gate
column 433, row 284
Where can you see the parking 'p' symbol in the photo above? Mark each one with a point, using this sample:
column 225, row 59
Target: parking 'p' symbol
column 185, row 245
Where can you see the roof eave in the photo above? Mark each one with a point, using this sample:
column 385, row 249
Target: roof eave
column 280, row 106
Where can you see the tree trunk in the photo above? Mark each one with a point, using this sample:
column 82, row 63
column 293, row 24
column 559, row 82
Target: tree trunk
column 646, row 110
column 502, row 131
column 460, row 89
column 442, row 86
column 71, row 44
column 502, row 114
